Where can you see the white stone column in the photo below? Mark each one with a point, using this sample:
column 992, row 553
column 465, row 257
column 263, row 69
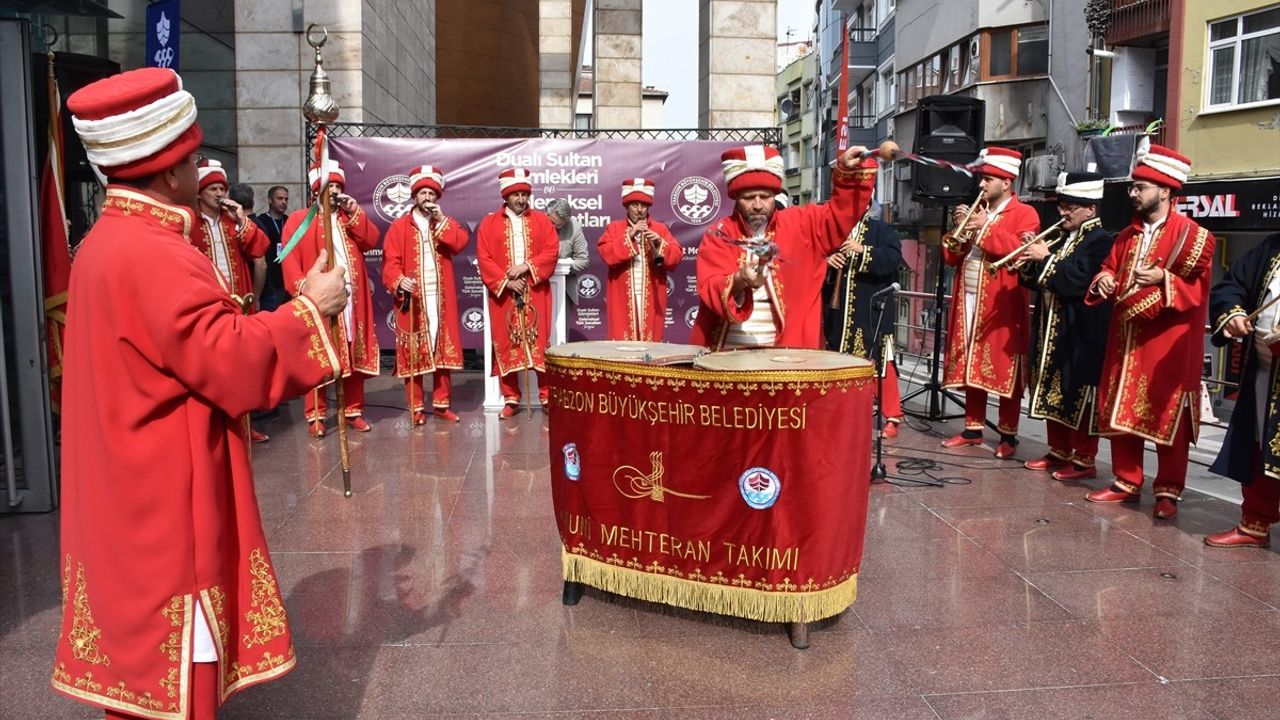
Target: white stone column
column 556, row 63
column 736, row 63
column 617, row 64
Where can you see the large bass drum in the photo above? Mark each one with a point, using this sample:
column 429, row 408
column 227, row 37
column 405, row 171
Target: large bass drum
column 783, row 359
column 643, row 353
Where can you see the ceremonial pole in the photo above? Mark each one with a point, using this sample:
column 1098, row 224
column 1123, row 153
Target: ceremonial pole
column 321, row 110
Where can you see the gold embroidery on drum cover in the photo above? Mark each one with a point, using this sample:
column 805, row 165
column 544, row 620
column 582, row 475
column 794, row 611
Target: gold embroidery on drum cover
column 634, row 484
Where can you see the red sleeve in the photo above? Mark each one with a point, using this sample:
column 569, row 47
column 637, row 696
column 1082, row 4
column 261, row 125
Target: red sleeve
column 1185, row 286
column 1110, row 266
column 1004, row 236
column 253, row 242
column 717, row 262
column 546, row 250
column 613, row 246
column 828, row 224
column 393, row 255
column 453, row 238
column 493, row 268
column 362, row 230
column 672, row 253
column 197, row 328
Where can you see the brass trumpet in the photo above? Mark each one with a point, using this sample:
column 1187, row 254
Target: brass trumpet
column 1054, row 229
column 959, row 235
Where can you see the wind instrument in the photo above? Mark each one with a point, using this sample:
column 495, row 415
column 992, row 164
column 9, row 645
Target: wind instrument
column 1054, row 229
column 960, row 235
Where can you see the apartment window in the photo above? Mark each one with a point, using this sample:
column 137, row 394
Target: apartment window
column 582, row 121
column 1016, row 52
column 951, row 81
column 887, row 92
column 1033, row 50
column 1000, row 53
column 972, row 62
column 1244, row 60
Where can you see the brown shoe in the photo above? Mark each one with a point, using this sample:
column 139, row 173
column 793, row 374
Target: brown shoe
column 956, row 441
column 1048, row 463
column 1074, row 473
column 359, row 424
column 1166, row 508
column 316, row 429
column 1111, row 494
column 1236, row 538
column 445, row 414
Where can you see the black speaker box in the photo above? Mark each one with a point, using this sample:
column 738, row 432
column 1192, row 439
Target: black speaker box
column 950, row 128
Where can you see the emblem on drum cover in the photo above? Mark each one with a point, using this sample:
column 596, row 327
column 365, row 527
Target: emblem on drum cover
column 760, row 487
column 473, row 319
column 392, row 197
column 588, row 286
column 696, row 200
column 636, row 484
column 572, row 462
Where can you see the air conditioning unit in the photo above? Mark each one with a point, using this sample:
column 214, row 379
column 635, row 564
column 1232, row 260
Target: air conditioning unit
column 1040, row 172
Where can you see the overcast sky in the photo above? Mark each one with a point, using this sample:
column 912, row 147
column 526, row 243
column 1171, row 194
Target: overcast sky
column 670, row 52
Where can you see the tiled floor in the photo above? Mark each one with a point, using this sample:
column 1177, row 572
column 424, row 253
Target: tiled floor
column 435, row 591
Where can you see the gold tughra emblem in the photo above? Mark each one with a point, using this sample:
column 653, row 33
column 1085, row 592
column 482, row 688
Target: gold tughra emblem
column 634, row 484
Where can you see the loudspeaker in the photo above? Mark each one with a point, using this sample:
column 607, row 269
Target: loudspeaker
column 950, row 128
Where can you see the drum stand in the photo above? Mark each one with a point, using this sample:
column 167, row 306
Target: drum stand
column 937, row 394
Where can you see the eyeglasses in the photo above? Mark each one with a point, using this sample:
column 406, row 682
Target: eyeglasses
column 1139, row 188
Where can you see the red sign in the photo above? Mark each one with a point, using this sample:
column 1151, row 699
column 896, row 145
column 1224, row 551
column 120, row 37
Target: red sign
column 716, row 491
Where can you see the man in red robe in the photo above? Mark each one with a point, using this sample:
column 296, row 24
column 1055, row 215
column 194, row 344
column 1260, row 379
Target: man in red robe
column 517, row 248
column 353, row 234
column 640, row 252
column 1159, row 272
column 988, row 329
column 760, row 270
column 417, row 269
column 229, row 239
column 170, row 603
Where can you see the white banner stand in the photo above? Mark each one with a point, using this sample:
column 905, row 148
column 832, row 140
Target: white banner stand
column 559, row 332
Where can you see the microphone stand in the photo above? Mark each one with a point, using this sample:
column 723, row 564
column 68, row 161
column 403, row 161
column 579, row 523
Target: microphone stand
column 878, row 471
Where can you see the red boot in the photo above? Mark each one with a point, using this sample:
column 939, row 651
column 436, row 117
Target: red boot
column 890, row 429
column 1166, row 508
column 1048, row 463
column 508, row 411
column 1237, row 538
column 316, row 429
column 961, row 440
column 1111, row 494
column 445, row 414
column 359, row 424
column 258, row 437
column 419, row 418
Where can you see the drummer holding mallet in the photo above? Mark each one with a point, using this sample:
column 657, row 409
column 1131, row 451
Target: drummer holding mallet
column 760, row 270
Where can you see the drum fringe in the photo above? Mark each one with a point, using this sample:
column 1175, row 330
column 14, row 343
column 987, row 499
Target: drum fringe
column 760, row 605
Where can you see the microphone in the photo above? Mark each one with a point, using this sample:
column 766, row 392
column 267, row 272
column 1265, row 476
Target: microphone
column 895, row 287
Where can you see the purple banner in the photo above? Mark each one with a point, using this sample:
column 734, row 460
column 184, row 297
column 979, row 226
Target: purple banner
column 588, row 173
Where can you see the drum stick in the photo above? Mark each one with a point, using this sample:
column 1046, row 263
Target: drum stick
column 1253, row 315
column 889, row 151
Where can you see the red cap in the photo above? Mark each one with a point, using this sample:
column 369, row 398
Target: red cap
column 211, row 173
column 428, row 176
column 754, row 167
column 1162, row 166
column 637, row 190
column 336, row 175
column 999, row 162
column 514, row 180
column 136, row 123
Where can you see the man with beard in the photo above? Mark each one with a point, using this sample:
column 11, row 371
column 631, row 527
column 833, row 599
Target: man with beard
column 417, row 270
column 640, row 252
column 865, row 264
column 987, row 334
column 1158, row 274
column 1069, row 334
column 353, row 234
column 517, row 249
column 760, row 270
column 1250, row 452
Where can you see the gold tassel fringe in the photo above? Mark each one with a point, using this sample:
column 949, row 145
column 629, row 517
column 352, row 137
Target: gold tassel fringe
column 778, row 607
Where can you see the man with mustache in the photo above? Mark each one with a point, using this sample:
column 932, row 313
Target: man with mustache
column 517, row 248
column 1158, row 273
column 760, row 270
column 640, row 252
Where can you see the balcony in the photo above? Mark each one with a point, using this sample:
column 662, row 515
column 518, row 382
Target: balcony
column 862, row 54
column 1134, row 22
column 862, row 130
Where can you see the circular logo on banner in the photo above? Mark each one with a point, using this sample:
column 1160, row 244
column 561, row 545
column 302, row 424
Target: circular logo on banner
column 671, row 287
column 691, row 316
column 572, row 462
column 473, row 319
column 391, row 320
column 392, row 198
column 760, row 487
column 588, row 286
column 696, row 200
